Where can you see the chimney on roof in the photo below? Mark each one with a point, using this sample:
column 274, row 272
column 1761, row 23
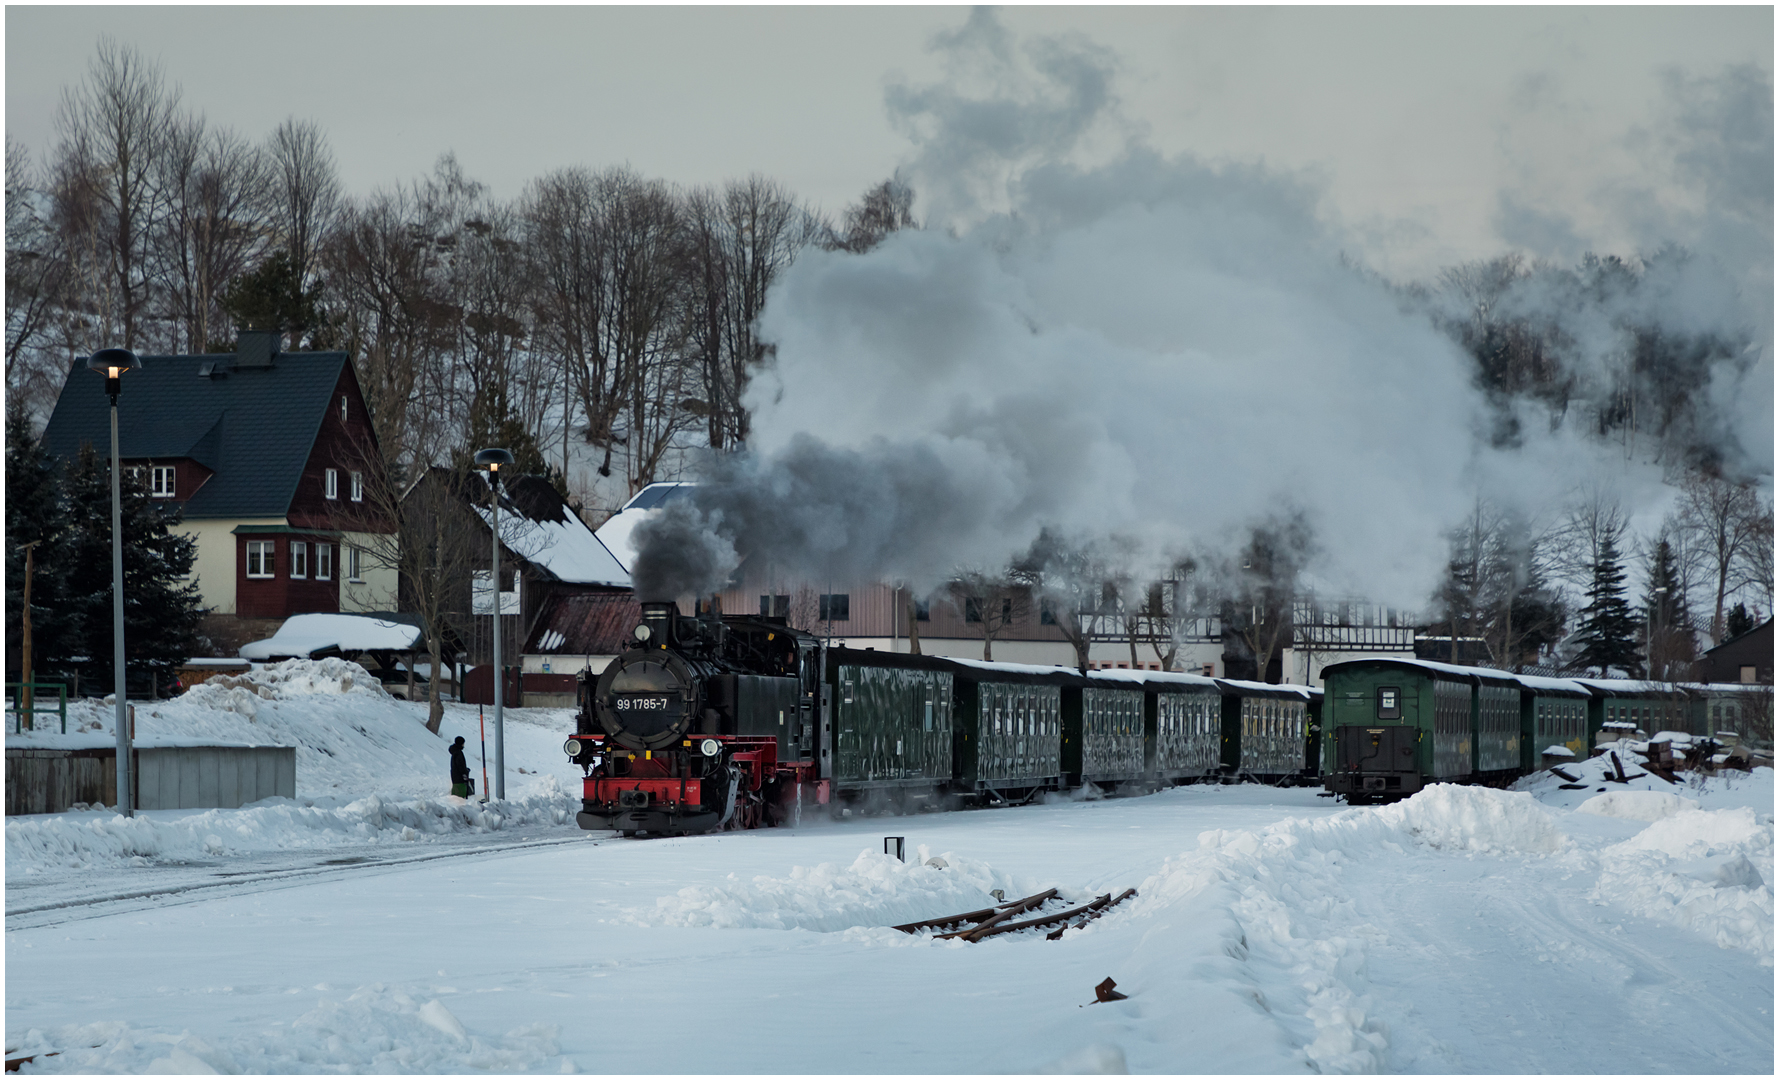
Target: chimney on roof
column 256, row 348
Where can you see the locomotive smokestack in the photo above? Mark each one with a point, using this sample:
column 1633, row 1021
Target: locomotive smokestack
column 660, row 618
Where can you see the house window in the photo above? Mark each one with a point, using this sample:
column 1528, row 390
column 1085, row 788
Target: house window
column 324, row 561
column 922, row 611
column 259, row 558
column 161, row 481
column 972, row 609
column 354, row 564
column 332, row 481
column 835, row 607
column 299, row 559
column 776, row 607
column 1046, row 613
column 342, row 408
column 358, row 487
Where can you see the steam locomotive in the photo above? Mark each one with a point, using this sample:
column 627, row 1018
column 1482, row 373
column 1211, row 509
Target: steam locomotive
column 717, row 722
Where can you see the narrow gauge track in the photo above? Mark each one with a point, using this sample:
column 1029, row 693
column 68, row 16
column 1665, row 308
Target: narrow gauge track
column 201, row 885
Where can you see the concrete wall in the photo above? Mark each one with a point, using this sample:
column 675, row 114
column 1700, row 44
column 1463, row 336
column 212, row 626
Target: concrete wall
column 166, row 778
column 191, row 777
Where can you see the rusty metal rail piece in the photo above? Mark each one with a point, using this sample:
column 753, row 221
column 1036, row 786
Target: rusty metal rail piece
column 1099, row 909
column 990, row 914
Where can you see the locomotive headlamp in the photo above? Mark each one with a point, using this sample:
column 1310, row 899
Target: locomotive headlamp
column 573, row 748
column 642, row 631
column 709, row 747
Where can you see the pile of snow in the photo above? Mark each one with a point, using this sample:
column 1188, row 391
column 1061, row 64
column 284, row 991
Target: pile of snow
column 1281, row 909
column 85, row 840
column 1708, row 870
column 375, row 1030
column 1637, row 805
column 1595, row 776
column 876, row 890
column 367, row 771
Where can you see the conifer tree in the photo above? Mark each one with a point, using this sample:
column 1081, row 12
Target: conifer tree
column 1608, row 630
column 34, row 513
column 1668, row 623
column 162, row 606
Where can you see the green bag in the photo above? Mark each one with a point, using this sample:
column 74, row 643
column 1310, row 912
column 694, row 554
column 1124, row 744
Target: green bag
column 463, row 790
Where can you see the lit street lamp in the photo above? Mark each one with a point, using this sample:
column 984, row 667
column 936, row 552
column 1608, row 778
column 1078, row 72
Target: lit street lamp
column 494, row 458
column 114, row 362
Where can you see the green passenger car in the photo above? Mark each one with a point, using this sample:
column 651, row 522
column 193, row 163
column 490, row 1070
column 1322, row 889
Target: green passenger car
column 1553, row 713
column 1389, row 727
column 1651, row 706
column 892, row 720
column 1182, row 721
column 1103, row 734
column 1265, row 729
column 1007, row 728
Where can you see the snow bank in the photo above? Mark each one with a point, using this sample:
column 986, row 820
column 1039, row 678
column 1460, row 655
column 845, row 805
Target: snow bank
column 374, row 1030
column 877, row 890
column 1708, row 870
column 1637, row 805
column 96, row 839
column 1292, row 930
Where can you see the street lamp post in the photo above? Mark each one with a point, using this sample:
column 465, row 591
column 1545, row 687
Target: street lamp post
column 1655, row 612
column 114, row 362
column 494, row 458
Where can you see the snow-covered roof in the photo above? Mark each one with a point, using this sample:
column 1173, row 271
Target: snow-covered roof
column 1134, row 675
column 1546, row 684
column 1245, row 686
column 646, row 504
column 306, row 635
column 1635, row 687
column 566, row 548
column 1014, row 669
column 1429, row 665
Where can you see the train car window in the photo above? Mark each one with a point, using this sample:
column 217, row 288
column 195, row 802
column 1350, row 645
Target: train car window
column 846, row 692
column 1389, row 703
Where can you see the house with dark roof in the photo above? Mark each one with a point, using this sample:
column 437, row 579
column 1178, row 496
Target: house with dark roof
column 1745, row 658
column 271, row 457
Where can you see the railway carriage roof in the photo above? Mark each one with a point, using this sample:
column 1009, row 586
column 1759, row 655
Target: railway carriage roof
column 1549, row 687
column 840, row 654
column 1244, row 688
column 1156, row 680
column 1636, row 688
column 1450, row 671
column 991, row 671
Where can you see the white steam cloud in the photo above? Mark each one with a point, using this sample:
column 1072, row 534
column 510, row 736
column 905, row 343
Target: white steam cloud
column 1158, row 348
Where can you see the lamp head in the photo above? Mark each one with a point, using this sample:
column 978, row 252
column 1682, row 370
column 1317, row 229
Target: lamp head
column 113, row 362
column 494, row 457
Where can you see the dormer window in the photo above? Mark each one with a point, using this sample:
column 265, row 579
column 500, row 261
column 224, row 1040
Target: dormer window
column 331, row 480
column 162, row 482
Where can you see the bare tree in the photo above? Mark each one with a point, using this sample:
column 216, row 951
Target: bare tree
column 306, row 194
column 1728, row 521
column 35, row 283
column 113, row 128
column 990, row 602
column 1262, row 590
column 737, row 243
column 886, row 208
column 1069, row 576
column 214, row 226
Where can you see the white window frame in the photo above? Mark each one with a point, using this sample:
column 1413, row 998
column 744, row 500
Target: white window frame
column 342, row 408
column 163, row 481
column 299, row 559
column 331, row 483
column 267, row 553
column 354, row 564
column 324, row 561
column 357, row 486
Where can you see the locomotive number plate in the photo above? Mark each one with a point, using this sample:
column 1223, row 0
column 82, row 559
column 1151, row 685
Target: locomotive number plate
column 644, row 703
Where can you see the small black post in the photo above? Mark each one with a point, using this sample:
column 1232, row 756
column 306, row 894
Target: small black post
column 893, row 845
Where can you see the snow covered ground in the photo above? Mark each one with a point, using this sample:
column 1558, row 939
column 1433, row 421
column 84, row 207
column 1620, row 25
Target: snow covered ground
column 375, row 924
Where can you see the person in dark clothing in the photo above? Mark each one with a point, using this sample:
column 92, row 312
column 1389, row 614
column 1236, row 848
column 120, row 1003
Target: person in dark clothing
column 461, row 785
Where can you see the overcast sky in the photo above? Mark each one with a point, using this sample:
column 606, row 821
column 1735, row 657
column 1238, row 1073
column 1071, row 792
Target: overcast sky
column 1416, row 122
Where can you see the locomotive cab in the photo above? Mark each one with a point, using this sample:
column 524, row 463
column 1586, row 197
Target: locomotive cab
column 700, row 726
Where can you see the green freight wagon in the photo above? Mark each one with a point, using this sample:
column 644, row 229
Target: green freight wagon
column 892, row 720
column 1265, row 730
column 1007, row 729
